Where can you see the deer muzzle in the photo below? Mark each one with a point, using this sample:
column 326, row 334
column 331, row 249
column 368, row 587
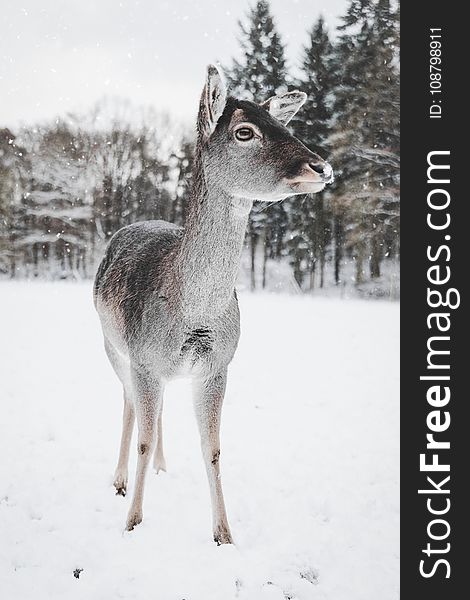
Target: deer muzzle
column 312, row 177
column 317, row 171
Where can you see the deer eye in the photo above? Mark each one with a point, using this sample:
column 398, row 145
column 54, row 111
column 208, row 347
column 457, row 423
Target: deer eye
column 244, row 134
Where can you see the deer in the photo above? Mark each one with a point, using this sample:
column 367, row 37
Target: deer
column 165, row 295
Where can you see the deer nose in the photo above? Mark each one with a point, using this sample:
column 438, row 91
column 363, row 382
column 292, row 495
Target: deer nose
column 322, row 168
column 317, row 166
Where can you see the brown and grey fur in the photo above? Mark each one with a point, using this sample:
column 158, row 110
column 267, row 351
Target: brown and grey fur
column 166, row 295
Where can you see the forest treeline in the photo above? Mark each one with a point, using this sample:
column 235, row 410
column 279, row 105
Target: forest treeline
column 68, row 185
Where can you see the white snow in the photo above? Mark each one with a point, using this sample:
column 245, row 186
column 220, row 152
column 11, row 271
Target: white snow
column 309, row 459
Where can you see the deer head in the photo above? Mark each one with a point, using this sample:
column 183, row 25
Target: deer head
column 247, row 150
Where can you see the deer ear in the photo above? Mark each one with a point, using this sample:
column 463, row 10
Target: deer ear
column 213, row 99
column 284, row 107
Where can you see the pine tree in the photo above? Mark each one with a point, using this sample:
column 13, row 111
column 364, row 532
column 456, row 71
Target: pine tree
column 384, row 122
column 313, row 125
column 365, row 140
column 309, row 227
column 260, row 74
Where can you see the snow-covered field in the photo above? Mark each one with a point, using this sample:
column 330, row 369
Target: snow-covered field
column 309, row 459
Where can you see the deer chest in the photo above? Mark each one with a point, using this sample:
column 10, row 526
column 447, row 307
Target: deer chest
column 198, row 342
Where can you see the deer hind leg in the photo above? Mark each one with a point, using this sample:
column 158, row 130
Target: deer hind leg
column 121, row 367
column 208, row 399
column 159, row 463
column 121, row 475
column 148, row 405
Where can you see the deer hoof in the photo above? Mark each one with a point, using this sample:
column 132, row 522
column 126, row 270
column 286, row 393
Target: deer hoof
column 120, row 491
column 133, row 520
column 120, row 485
column 159, row 463
column 222, row 535
column 159, row 466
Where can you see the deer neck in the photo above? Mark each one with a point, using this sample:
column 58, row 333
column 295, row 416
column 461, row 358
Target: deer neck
column 208, row 259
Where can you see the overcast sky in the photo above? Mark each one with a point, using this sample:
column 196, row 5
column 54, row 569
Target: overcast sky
column 62, row 55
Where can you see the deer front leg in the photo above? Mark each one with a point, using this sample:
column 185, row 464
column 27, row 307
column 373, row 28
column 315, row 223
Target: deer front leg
column 120, row 476
column 208, row 399
column 159, row 463
column 148, row 403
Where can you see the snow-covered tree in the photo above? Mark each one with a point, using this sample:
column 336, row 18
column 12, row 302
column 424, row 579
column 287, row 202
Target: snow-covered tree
column 13, row 165
column 57, row 206
column 309, row 217
column 259, row 74
column 365, row 139
column 262, row 71
column 181, row 162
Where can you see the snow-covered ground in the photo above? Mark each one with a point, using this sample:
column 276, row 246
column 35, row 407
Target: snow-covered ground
column 309, row 459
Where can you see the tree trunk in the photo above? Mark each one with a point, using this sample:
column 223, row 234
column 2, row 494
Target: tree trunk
column 338, row 252
column 253, row 239
column 322, row 267
column 36, row 259
column 375, row 258
column 322, row 242
column 12, row 256
column 265, row 260
column 312, row 275
column 360, row 263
